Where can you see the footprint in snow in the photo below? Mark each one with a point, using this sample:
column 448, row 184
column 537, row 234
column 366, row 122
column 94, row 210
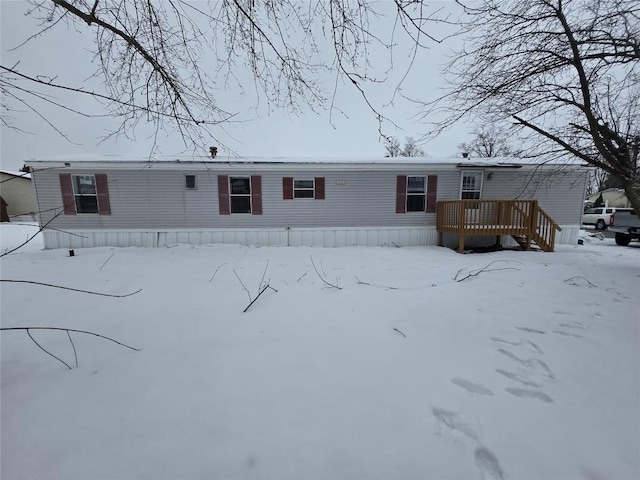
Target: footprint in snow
column 450, row 420
column 525, row 343
column 471, row 387
column 525, row 393
column 572, row 325
column 531, row 330
column 567, row 334
column 518, row 378
column 538, row 366
column 488, row 464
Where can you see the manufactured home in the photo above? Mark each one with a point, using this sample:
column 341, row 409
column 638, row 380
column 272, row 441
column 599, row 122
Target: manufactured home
column 17, row 196
column 312, row 202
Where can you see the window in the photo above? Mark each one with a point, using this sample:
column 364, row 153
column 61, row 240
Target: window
column 471, row 185
column 303, row 189
column 307, row 188
column 240, row 194
column 416, row 194
column 85, row 193
column 190, row 182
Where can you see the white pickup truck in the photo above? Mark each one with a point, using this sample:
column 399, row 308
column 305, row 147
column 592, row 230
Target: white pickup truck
column 601, row 216
column 626, row 225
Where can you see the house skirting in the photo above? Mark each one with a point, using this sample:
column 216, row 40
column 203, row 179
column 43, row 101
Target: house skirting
column 274, row 237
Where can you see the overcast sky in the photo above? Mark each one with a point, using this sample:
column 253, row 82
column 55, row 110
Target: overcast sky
column 66, row 54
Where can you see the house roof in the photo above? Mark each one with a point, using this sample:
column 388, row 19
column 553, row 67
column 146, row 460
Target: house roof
column 16, row 174
column 206, row 162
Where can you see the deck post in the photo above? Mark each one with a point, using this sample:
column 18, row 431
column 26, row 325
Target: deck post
column 461, row 219
column 533, row 219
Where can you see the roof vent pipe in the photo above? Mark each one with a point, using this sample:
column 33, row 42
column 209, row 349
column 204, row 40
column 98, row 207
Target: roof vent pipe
column 213, row 151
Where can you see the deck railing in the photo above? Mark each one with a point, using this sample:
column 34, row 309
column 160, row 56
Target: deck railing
column 522, row 219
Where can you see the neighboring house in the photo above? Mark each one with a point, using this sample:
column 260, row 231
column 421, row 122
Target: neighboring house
column 18, row 194
column 612, row 197
column 280, row 202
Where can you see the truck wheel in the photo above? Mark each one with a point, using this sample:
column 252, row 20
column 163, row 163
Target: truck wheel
column 600, row 225
column 623, row 239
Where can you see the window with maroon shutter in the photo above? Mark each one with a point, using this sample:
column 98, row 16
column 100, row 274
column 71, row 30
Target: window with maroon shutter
column 68, row 200
column 256, row 195
column 319, row 193
column 432, row 193
column 303, row 188
column 416, row 193
column 287, row 188
column 401, row 194
column 102, row 189
column 223, row 194
column 85, row 193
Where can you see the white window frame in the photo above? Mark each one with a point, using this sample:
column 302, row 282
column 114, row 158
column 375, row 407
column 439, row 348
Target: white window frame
column 231, row 195
column 195, row 181
column 81, row 194
column 304, row 189
column 469, row 173
column 423, row 194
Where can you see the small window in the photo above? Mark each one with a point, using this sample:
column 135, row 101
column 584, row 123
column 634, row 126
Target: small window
column 85, row 193
column 303, row 189
column 240, row 194
column 416, row 194
column 190, row 182
column 471, row 187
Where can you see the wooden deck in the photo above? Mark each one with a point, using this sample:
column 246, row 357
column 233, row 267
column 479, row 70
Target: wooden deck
column 524, row 220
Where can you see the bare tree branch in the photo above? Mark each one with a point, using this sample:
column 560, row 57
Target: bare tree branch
column 69, row 288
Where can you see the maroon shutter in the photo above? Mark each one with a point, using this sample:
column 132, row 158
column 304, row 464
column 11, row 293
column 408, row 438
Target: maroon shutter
column 432, row 193
column 401, row 194
column 256, row 195
column 319, row 194
column 223, row 194
column 68, row 199
column 102, row 189
column 287, row 188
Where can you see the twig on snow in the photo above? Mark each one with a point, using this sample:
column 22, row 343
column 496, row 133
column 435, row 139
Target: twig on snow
column 263, row 274
column 46, row 351
column 301, row 276
column 360, row 282
column 572, row 281
column 67, row 330
column 321, row 277
column 243, row 285
column 214, row 273
column 75, row 354
column 475, row 273
column 258, row 296
column 105, row 262
column 72, row 289
column 261, row 288
column 400, row 332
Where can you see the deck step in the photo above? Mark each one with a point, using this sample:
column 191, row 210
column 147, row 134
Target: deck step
column 522, row 241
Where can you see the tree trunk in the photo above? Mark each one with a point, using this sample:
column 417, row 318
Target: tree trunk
column 632, row 189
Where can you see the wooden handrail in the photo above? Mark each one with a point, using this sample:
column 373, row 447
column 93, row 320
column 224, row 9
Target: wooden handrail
column 497, row 217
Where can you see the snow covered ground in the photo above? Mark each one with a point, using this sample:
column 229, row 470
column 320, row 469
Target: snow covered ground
column 529, row 369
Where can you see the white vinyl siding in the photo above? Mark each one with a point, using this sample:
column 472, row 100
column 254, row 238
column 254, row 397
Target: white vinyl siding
column 157, row 199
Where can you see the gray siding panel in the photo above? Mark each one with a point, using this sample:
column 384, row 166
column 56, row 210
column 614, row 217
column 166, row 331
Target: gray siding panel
column 153, row 198
column 560, row 194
